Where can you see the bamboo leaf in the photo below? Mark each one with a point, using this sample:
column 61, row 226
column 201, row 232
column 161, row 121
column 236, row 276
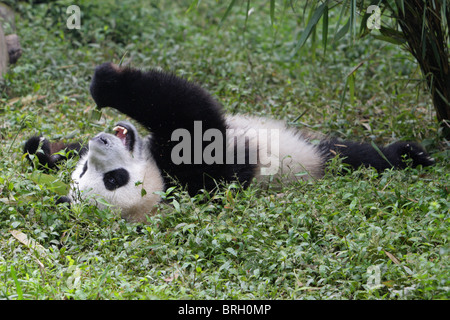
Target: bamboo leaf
column 17, row 283
column 388, row 39
column 351, row 84
column 402, row 6
column 325, row 29
column 342, row 32
column 193, row 5
column 380, row 153
column 247, row 13
column 343, row 94
column 423, row 40
column 339, row 21
column 444, row 16
column 353, row 18
column 227, row 12
column 392, row 35
column 437, row 56
column 272, row 11
column 313, row 44
column 311, row 24
column 363, row 29
column 95, row 114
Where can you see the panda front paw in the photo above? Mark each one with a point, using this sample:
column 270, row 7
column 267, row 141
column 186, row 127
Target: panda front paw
column 49, row 154
column 40, row 147
column 107, row 72
column 105, row 83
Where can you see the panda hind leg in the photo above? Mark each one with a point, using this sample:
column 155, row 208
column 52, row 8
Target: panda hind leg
column 398, row 155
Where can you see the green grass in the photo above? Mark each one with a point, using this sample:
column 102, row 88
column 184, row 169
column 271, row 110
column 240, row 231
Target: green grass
column 309, row 240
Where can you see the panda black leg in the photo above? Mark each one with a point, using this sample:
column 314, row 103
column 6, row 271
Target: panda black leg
column 397, row 155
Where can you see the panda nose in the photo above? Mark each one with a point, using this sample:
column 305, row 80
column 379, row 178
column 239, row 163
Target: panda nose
column 102, row 138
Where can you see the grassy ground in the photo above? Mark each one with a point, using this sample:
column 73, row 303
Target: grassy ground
column 355, row 236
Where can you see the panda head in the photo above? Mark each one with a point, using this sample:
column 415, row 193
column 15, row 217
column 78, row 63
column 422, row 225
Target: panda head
column 120, row 169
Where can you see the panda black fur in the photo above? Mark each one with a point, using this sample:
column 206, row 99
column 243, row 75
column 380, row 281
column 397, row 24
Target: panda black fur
column 118, row 167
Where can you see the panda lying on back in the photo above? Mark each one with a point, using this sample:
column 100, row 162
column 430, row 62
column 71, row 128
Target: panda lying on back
column 194, row 144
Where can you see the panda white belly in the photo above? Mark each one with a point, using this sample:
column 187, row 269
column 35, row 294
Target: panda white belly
column 283, row 152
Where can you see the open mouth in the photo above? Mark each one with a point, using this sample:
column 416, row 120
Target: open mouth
column 126, row 135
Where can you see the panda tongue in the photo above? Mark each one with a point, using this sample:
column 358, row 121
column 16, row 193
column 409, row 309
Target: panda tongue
column 121, row 133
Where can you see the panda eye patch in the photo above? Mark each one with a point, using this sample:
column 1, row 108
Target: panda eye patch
column 115, row 179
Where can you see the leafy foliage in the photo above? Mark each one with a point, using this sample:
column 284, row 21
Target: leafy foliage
column 424, row 32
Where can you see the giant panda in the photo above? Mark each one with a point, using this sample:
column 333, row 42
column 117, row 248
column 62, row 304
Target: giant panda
column 193, row 143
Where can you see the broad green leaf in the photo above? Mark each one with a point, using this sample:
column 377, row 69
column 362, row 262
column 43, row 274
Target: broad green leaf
column 176, row 205
column 95, row 114
column 232, row 251
column 50, row 182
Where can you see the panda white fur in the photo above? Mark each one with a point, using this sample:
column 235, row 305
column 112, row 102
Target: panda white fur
column 127, row 170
